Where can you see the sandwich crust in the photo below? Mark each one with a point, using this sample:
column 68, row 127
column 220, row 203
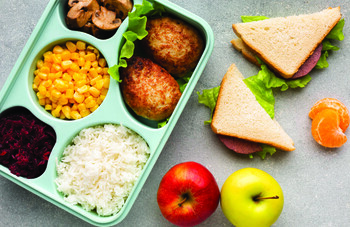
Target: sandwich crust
column 285, row 43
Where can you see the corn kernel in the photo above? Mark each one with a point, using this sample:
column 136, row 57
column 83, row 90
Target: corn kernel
column 90, row 57
column 56, row 111
column 48, row 56
column 63, row 100
column 90, row 104
column 60, row 85
column 87, row 65
column 85, row 112
column 102, row 62
column 46, row 83
column 92, row 109
column 55, row 94
column 74, row 107
column 36, row 72
column 69, row 93
column 43, row 76
column 66, row 77
column 83, row 89
column 100, row 99
column 35, row 87
column 66, row 64
column 94, row 92
column 104, row 91
column 66, row 111
column 66, row 55
column 58, row 74
column 56, row 68
column 94, row 64
column 77, row 76
column 42, row 90
column 39, row 64
column 40, row 96
column 93, row 72
column 81, row 45
column 80, row 83
column 57, row 49
column 93, row 81
column 88, row 99
column 75, row 67
column 79, row 98
column 48, row 107
column 99, row 84
column 62, row 116
column 82, row 53
column 71, row 46
column 57, row 59
column 106, row 82
column 105, row 71
column 74, row 56
column 42, row 102
column 81, row 61
column 75, row 115
column 45, row 69
column 81, row 107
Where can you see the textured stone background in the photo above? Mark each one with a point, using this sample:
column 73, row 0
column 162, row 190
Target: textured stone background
column 315, row 180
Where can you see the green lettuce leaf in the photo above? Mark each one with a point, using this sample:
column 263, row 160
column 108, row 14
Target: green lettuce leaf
column 337, row 32
column 183, row 81
column 328, row 46
column 136, row 31
column 163, row 123
column 322, row 62
column 209, row 98
column 262, row 84
column 266, row 149
column 252, row 18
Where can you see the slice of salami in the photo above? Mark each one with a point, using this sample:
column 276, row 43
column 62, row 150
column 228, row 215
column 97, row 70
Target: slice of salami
column 309, row 64
column 239, row 145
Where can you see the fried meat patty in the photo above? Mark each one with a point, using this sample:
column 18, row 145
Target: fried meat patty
column 173, row 44
column 148, row 89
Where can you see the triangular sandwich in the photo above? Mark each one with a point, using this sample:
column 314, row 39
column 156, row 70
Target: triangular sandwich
column 238, row 114
column 285, row 43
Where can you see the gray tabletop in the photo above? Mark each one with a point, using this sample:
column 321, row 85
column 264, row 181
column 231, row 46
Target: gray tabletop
column 315, row 180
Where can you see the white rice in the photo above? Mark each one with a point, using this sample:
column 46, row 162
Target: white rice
column 99, row 169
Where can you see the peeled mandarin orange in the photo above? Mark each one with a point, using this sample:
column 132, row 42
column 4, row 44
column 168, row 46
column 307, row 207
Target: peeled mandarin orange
column 326, row 130
column 334, row 104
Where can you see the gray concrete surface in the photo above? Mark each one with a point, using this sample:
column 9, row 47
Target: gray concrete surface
column 315, row 180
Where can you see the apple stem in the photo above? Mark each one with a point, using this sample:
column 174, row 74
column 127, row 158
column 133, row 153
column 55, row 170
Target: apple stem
column 271, row 197
column 185, row 198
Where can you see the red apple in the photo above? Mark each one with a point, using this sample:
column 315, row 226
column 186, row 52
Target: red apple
column 188, row 194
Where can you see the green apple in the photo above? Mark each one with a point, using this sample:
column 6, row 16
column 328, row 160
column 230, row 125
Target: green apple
column 251, row 197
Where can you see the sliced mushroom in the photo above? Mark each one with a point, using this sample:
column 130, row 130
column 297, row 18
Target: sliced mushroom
column 90, row 28
column 121, row 7
column 80, row 13
column 106, row 19
column 71, row 3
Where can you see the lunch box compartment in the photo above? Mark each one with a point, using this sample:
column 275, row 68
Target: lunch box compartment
column 39, row 56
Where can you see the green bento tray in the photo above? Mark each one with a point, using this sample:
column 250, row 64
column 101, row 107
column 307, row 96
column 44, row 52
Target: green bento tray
column 17, row 92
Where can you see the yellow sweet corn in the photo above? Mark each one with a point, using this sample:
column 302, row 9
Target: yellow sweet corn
column 71, row 81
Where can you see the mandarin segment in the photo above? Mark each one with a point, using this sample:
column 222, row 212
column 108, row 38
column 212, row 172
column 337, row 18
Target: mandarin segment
column 325, row 129
column 335, row 104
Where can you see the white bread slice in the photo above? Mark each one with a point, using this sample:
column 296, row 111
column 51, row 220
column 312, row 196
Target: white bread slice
column 239, row 45
column 238, row 114
column 285, row 43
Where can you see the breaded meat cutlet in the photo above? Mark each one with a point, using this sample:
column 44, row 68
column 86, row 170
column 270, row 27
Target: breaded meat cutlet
column 173, row 44
column 148, row 89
